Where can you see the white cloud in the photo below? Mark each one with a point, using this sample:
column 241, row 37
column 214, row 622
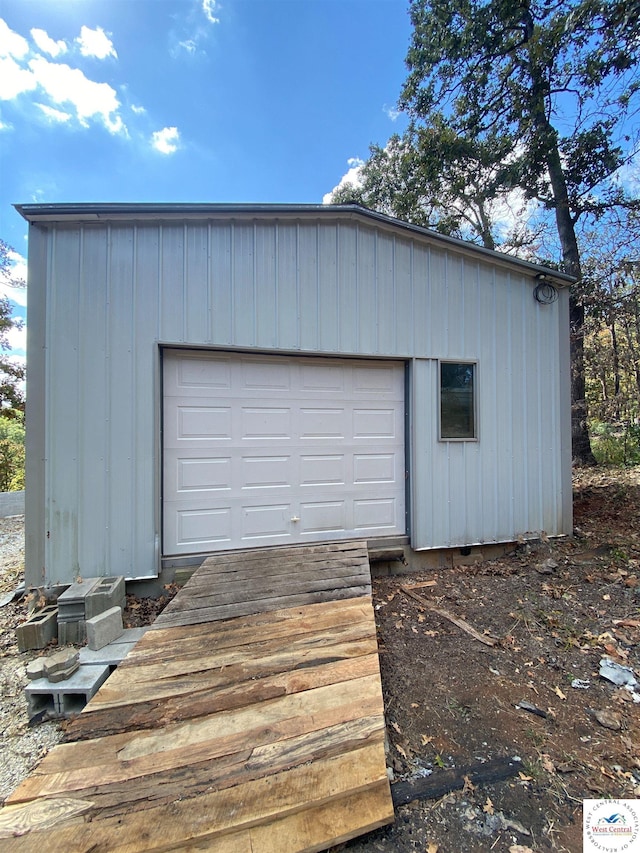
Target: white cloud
column 5, row 126
column 47, row 44
column 167, row 140
column 137, row 110
column 66, row 85
column 95, row 43
column 391, row 112
column 189, row 45
column 12, row 44
column 54, row 115
column 14, row 80
column 209, row 9
column 17, row 271
column 352, row 176
column 17, row 338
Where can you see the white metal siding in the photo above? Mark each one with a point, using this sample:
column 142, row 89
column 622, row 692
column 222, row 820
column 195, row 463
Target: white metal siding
column 114, row 292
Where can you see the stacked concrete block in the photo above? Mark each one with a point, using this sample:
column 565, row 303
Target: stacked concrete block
column 66, row 697
column 108, row 593
column 87, row 599
column 71, row 611
column 39, row 630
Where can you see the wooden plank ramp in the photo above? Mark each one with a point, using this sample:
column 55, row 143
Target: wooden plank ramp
column 249, row 720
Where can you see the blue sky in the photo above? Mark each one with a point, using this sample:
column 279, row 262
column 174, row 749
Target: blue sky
column 190, row 100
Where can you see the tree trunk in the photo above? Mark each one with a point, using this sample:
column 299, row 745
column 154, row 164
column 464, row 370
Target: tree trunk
column 546, row 139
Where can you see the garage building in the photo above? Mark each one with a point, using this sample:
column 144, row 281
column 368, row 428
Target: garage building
column 208, row 377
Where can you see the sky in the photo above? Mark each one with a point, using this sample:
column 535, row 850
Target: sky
column 189, row 101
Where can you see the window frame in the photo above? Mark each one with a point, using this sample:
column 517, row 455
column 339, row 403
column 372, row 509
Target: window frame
column 467, row 362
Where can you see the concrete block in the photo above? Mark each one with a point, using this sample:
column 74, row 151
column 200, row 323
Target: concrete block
column 104, row 628
column 110, row 655
column 68, row 697
column 72, row 632
column 38, row 630
column 63, row 674
column 71, row 604
column 59, row 661
column 108, row 593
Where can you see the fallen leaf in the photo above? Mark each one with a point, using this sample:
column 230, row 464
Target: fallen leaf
column 547, row 763
column 469, row 787
column 488, row 806
column 415, row 705
column 518, row 848
column 401, row 751
column 396, row 728
column 559, row 693
column 606, row 773
column 432, row 847
column 525, row 778
column 426, row 739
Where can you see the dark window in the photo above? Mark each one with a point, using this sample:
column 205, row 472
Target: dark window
column 457, row 400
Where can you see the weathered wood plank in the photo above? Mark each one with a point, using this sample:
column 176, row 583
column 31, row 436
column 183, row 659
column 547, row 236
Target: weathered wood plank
column 256, row 589
column 236, row 725
column 150, row 684
column 44, row 814
column 240, row 631
column 173, row 744
column 217, row 813
column 146, row 714
column 308, row 552
column 212, row 613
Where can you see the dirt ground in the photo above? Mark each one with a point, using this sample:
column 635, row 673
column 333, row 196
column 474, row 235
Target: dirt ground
column 532, row 622
column 556, row 609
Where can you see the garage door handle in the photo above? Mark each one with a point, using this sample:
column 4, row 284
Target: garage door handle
column 294, row 518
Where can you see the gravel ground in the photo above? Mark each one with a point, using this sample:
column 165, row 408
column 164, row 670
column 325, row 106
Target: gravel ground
column 21, row 747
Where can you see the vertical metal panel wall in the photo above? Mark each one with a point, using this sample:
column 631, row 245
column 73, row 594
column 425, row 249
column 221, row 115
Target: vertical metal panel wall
column 114, row 292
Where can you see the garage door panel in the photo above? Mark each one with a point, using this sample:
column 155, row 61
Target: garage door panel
column 374, row 468
column 375, row 514
column 323, row 517
column 321, row 423
column 198, row 528
column 322, row 470
column 266, row 472
column 266, row 423
column 266, row 521
column 375, row 423
column 203, row 474
column 280, row 450
column 199, row 377
column 322, row 378
column 377, row 379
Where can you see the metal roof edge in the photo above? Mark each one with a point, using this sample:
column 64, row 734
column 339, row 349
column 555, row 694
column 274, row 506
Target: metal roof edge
column 114, row 211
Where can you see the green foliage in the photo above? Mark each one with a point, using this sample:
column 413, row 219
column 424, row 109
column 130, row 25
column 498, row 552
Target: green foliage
column 11, row 372
column 616, row 444
column 11, row 454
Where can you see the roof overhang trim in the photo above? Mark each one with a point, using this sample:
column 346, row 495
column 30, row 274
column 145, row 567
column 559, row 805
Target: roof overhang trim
column 170, row 212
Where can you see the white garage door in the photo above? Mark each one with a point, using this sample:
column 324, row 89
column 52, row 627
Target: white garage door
column 262, row 450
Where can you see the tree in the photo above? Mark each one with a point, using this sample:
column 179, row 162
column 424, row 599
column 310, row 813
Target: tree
column 12, row 373
column 533, row 95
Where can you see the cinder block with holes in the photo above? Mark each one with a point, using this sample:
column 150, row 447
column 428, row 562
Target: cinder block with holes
column 39, row 629
column 66, row 697
column 108, row 593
